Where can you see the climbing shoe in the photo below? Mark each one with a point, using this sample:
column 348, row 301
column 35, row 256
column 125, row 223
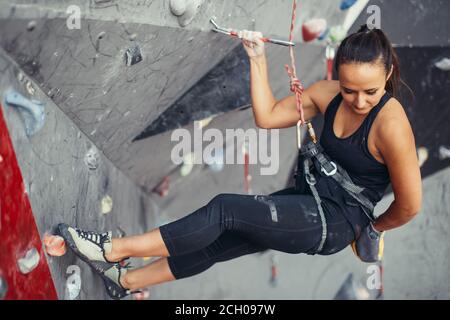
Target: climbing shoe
column 90, row 246
column 111, row 279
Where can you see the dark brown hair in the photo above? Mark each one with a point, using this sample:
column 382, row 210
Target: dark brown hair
column 370, row 46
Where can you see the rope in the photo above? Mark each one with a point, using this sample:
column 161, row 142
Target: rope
column 296, row 85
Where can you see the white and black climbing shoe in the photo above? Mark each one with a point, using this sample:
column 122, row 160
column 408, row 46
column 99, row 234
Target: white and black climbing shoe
column 90, row 246
column 111, row 278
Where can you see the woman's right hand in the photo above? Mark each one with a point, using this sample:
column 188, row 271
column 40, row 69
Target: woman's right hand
column 253, row 44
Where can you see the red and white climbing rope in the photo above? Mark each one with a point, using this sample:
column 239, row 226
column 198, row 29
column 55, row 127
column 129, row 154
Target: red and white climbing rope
column 296, row 85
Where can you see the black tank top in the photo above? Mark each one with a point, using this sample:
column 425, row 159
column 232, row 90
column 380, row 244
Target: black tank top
column 352, row 152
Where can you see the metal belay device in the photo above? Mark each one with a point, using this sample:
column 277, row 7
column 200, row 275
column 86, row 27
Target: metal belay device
column 313, row 164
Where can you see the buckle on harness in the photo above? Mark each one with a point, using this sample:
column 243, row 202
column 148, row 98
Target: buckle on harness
column 332, row 172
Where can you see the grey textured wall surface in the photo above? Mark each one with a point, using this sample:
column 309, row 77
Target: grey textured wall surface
column 93, row 99
column 412, row 23
column 62, row 188
column 112, row 103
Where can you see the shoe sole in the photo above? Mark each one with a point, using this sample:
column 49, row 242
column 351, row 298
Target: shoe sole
column 99, row 266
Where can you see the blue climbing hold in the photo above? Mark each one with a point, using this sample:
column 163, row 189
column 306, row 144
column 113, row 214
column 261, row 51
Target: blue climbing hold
column 32, row 111
column 345, row 4
column 324, row 34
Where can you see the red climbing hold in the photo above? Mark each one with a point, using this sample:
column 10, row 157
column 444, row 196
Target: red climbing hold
column 313, row 29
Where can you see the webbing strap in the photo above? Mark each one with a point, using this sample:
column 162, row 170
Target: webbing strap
column 341, row 176
column 311, row 182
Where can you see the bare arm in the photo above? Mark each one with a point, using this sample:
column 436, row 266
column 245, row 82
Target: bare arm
column 268, row 112
column 397, row 147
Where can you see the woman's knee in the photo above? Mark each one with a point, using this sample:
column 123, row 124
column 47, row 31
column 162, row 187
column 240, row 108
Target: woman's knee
column 221, row 199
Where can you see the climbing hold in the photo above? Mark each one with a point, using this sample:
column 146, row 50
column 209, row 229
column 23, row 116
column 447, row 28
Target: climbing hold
column 444, row 153
column 29, row 262
column 143, row 294
column 178, row 7
column 3, row 288
column 345, row 4
column 330, row 54
column 352, row 290
column 132, row 36
column 20, row 77
column 30, row 88
column 190, row 12
column 92, row 158
column 32, row 111
column 204, row 122
column 215, row 163
column 422, row 155
column 101, row 35
column 337, row 34
column 54, row 245
column 443, row 64
column 274, row 270
column 73, row 283
column 324, row 34
column 188, row 164
column 163, row 187
column 133, row 55
column 313, row 28
column 107, row 204
column 1, row 159
column 31, row 25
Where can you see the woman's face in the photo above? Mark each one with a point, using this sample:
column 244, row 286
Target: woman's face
column 362, row 85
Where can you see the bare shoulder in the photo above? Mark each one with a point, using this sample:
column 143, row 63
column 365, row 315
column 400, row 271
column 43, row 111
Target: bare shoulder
column 322, row 92
column 392, row 123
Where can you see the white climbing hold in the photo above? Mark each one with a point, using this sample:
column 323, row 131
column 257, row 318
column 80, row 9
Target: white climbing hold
column 178, row 7
column 133, row 36
column 101, row 35
column 30, row 88
column 204, row 122
column 216, row 162
column 29, row 262
column 422, row 155
column 188, row 164
column 444, row 153
column 443, row 64
column 133, row 55
column 31, row 25
column 92, row 158
column 106, row 204
column 143, row 294
column 73, row 283
column 20, row 77
column 192, row 8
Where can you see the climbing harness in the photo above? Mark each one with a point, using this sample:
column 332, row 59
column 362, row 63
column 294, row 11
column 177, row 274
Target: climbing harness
column 312, row 160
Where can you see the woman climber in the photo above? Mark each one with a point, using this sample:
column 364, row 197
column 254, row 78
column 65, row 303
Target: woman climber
column 367, row 139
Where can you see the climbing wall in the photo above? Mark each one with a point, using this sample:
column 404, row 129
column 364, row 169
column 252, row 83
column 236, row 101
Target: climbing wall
column 56, row 175
column 111, row 92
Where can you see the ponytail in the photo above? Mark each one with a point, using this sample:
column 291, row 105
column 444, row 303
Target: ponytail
column 372, row 46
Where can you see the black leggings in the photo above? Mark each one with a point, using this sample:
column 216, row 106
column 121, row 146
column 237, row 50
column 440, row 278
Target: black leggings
column 233, row 225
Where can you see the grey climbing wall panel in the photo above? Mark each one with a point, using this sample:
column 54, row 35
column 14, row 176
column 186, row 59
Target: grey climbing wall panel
column 62, row 188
